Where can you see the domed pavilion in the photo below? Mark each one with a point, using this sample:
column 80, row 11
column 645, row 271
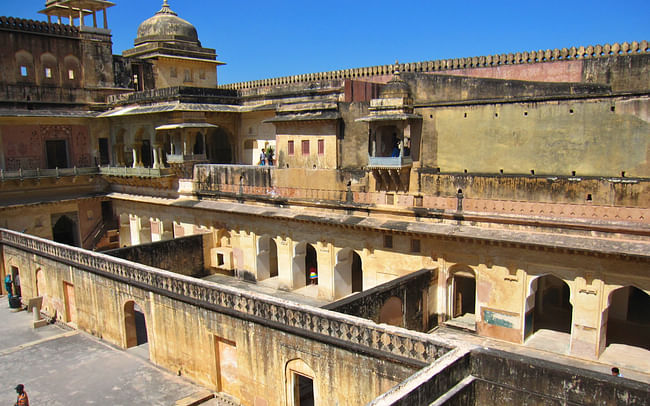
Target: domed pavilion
column 172, row 45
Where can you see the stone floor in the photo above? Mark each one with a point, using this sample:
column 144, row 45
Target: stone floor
column 272, row 287
column 549, row 345
column 59, row 366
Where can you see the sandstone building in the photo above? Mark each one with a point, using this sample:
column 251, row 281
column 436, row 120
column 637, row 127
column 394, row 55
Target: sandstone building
column 504, row 195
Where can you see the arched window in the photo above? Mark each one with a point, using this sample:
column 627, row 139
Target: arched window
column 72, row 72
column 25, row 67
column 49, row 70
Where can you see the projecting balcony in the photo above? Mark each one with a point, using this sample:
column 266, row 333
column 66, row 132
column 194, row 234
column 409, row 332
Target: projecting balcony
column 389, row 162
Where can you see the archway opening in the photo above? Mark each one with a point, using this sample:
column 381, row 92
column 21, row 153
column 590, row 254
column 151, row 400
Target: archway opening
column 64, row 231
column 311, row 265
column 135, row 325
column 218, row 149
column 357, row 273
column 464, row 296
column 273, row 258
column 553, row 309
column 267, row 258
column 628, row 319
column 146, row 152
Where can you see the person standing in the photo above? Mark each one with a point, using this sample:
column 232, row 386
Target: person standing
column 22, row 399
column 8, row 283
column 262, row 157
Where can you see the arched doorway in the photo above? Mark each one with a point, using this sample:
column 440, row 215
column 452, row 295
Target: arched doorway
column 135, row 325
column 65, row 231
column 199, row 147
column 348, row 273
column 628, row 318
column 301, row 388
column 311, row 264
column 218, row 148
column 553, row 309
column 267, row 258
column 391, row 312
column 462, row 297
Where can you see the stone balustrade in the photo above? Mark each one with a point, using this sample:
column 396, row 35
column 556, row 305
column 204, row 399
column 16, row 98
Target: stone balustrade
column 46, row 173
column 355, row 333
column 125, row 171
column 526, row 57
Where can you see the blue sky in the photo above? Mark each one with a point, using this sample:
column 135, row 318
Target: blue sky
column 262, row 39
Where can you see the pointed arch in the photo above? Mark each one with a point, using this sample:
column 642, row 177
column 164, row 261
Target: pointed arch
column 628, row 319
column 135, row 325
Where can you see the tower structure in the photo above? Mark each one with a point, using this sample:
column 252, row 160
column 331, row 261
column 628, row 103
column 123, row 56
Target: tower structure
column 172, row 45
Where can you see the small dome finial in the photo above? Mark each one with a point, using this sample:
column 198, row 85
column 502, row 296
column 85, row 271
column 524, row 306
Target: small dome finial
column 165, row 9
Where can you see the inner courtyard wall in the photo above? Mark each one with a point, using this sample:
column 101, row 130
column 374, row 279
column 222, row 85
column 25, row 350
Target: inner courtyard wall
column 503, row 272
column 218, row 348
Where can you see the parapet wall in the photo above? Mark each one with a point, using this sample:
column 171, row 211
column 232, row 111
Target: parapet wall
column 38, row 27
column 354, row 333
column 442, row 65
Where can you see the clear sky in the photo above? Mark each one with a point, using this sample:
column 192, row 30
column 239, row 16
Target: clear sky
column 263, row 39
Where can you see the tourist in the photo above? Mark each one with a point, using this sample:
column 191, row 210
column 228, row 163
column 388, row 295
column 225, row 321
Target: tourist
column 22, row 399
column 262, row 157
column 616, row 372
column 313, row 276
column 8, row 283
column 269, row 155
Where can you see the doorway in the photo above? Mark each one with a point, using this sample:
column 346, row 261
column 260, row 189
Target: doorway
column 311, row 265
column 56, row 154
column 304, row 390
column 628, row 320
column 65, row 231
column 103, row 152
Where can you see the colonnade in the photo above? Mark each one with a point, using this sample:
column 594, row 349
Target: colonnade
column 511, row 303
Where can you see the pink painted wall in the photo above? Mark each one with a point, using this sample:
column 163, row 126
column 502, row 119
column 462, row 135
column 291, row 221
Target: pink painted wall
column 24, row 145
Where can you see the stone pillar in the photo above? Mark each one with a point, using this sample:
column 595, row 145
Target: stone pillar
column 185, row 142
column 125, row 230
column 161, row 163
column 156, row 165
column 586, row 321
column 325, row 259
column 81, row 17
column 134, row 223
column 105, row 19
column 285, row 261
column 167, row 230
column 135, row 157
column 145, row 230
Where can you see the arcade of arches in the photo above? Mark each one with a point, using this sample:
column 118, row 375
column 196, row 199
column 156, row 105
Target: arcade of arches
column 509, row 303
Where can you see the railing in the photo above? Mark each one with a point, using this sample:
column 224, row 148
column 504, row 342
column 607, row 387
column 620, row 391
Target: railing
column 47, row 173
column 357, row 334
column 549, row 55
column 175, row 92
column 136, row 172
column 389, row 162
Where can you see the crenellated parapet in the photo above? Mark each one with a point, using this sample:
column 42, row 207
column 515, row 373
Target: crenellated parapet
column 441, row 65
column 357, row 334
column 38, row 27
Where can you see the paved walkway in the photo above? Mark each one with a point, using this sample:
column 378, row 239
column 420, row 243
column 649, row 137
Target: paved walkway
column 272, row 287
column 61, row 367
